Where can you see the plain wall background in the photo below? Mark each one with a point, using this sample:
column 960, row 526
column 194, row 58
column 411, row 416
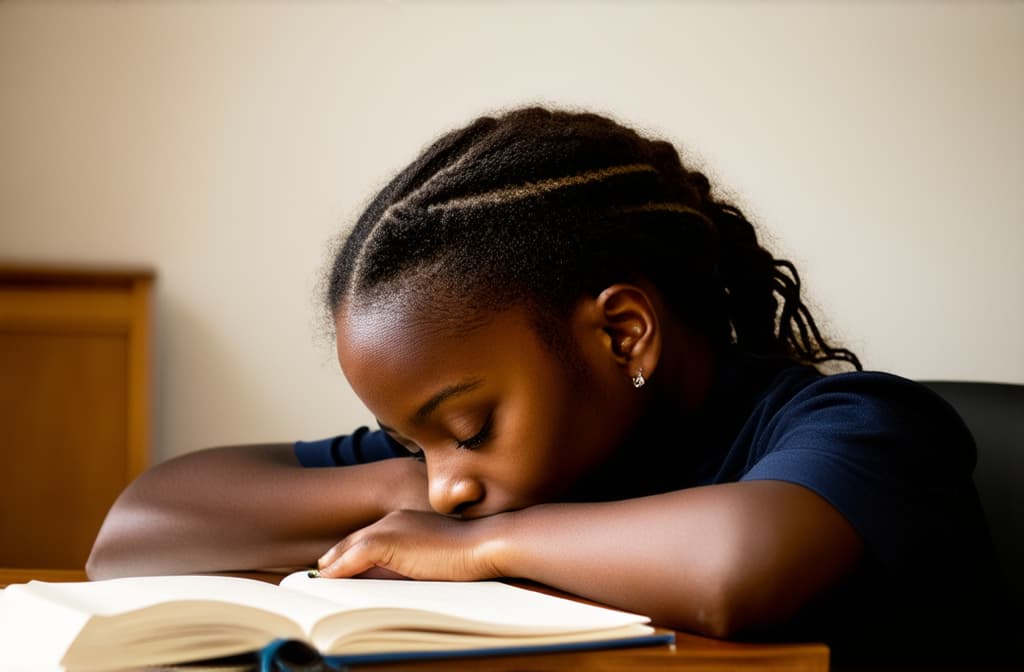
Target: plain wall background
column 880, row 145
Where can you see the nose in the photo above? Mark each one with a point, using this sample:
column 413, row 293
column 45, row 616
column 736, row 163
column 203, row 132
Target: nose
column 452, row 491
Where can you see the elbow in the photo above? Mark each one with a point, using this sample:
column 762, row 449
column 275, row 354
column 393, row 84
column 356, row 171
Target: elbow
column 118, row 552
column 132, row 541
column 742, row 601
column 102, row 560
column 714, row 615
column 720, row 605
column 94, row 566
column 118, row 546
column 723, row 613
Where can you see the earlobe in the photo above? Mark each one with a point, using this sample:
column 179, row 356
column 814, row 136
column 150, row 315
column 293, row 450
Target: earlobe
column 629, row 319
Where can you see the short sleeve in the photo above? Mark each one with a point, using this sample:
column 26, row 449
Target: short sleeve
column 888, row 453
column 897, row 462
column 359, row 447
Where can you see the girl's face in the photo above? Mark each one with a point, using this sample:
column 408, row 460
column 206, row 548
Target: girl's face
column 501, row 420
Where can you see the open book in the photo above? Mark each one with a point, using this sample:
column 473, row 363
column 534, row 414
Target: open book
column 135, row 622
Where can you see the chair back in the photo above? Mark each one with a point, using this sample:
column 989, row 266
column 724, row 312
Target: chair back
column 994, row 412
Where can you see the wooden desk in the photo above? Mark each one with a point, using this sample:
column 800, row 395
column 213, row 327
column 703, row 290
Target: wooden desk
column 691, row 652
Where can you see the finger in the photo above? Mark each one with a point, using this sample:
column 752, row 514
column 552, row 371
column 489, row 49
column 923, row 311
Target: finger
column 355, row 559
column 332, row 554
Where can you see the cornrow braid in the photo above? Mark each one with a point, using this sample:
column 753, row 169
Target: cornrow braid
column 505, row 194
column 541, row 207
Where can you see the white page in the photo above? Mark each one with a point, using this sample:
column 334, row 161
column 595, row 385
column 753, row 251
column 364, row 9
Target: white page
column 116, row 596
column 517, row 609
column 33, row 636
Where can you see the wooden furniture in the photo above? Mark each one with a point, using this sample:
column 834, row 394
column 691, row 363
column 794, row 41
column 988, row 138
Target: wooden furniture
column 75, row 416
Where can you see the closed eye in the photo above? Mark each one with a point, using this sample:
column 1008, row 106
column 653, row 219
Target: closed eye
column 480, row 437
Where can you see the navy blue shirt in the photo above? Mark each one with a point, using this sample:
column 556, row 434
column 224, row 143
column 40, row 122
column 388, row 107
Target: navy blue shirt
column 889, row 454
column 359, row 447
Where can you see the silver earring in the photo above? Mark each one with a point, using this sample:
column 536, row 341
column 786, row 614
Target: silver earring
column 639, row 380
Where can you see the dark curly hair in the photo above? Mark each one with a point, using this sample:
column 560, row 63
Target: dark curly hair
column 540, row 207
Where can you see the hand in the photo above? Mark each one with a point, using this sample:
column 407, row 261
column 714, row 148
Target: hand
column 420, row 545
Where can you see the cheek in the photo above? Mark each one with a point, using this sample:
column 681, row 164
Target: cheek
column 537, row 457
column 582, row 427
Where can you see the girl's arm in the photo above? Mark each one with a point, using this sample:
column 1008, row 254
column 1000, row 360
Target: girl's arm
column 245, row 507
column 715, row 560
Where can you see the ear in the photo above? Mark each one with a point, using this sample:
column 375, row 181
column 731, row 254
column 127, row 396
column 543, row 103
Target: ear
column 628, row 317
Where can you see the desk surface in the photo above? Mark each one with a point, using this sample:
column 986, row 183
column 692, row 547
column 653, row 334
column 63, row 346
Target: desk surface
column 691, row 652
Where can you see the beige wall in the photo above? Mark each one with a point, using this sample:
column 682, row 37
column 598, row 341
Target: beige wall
column 881, row 143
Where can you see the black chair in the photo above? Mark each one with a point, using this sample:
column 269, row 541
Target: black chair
column 994, row 412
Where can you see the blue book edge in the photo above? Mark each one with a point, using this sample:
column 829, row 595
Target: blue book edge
column 286, row 654
column 655, row 639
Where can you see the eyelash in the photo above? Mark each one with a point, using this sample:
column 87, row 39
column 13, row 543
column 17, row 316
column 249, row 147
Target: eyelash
column 479, row 438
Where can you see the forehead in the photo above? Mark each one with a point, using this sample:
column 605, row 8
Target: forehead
column 399, row 332
column 395, row 356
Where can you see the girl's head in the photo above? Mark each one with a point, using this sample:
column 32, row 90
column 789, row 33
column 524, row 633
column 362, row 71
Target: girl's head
column 561, row 253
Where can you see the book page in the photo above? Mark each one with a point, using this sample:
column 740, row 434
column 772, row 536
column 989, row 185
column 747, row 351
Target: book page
column 507, row 609
column 120, row 596
column 32, row 634
column 130, row 622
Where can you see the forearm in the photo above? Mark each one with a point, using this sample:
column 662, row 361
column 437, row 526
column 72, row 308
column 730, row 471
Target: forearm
column 243, row 507
column 660, row 568
column 712, row 560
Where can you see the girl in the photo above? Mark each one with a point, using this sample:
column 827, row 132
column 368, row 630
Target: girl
column 589, row 373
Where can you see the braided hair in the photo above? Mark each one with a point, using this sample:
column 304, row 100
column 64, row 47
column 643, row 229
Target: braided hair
column 539, row 208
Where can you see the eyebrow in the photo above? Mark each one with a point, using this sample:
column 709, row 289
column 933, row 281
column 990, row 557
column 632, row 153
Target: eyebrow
column 430, row 405
column 424, row 411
